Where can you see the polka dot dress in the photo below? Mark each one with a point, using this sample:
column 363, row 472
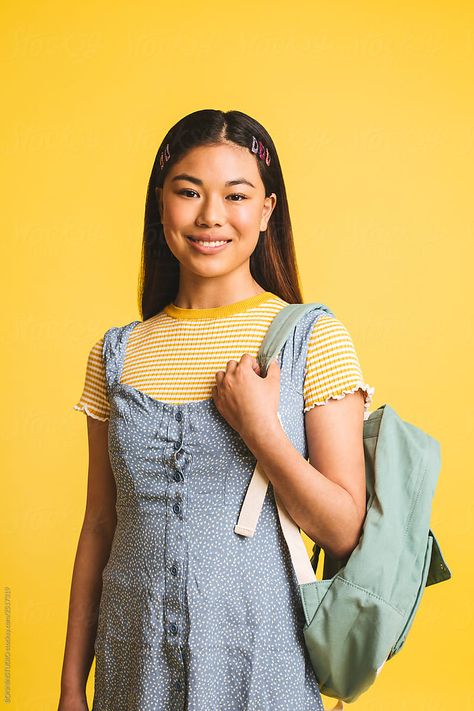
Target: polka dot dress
column 192, row 615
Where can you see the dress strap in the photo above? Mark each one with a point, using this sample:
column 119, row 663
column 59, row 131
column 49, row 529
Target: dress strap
column 293, row 354
column 113, row 352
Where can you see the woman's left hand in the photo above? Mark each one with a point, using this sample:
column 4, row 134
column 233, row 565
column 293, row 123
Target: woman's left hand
column 246, row 400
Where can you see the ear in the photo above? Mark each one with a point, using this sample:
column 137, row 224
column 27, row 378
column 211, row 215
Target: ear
column 268, row 207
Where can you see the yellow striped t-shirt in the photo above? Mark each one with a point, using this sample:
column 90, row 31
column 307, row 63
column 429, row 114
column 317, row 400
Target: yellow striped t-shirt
column 174, row 355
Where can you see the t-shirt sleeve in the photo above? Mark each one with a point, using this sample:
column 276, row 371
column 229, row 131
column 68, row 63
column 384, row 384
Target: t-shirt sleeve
column 332, row 366
column 94, row 401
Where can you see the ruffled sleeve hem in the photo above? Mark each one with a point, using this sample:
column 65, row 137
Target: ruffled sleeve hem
column 88, row 411
column 368, row 390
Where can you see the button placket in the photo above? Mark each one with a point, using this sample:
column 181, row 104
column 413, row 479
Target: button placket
column 176, row 542
column 179, row 683
column 178, row 453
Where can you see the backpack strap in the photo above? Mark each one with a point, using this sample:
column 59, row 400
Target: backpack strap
column 278, row 332
column 281, row 327
column 250, row 513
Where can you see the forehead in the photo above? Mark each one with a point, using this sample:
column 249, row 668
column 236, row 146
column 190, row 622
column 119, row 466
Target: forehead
column 222, row 158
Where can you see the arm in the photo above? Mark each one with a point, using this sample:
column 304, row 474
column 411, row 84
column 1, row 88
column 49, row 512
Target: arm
column 325, row 496
column 93, row 551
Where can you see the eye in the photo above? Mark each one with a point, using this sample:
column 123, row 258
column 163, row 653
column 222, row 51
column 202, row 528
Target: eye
column 239, row 196
column 186, row 190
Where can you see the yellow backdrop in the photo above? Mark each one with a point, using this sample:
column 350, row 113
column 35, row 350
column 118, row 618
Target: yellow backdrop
column 371, row 109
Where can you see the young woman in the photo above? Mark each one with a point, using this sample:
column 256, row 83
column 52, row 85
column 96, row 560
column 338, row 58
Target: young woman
column 179, row 610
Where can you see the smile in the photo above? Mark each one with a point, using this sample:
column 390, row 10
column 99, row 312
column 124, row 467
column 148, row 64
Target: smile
column 206, row 247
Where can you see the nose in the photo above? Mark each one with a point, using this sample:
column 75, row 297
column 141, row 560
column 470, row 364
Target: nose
column 211, row 212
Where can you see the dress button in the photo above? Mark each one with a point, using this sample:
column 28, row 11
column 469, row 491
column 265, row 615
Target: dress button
column 174, row 570
column 179, row 416
column 176, row 508
column 177, row 476
column 178, row 686
column 173, row 628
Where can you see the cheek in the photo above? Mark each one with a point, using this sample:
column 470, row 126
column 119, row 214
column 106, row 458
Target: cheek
column 247, row 220
column 178, row 214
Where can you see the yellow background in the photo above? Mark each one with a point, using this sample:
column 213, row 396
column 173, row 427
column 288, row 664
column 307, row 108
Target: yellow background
column 371, row 109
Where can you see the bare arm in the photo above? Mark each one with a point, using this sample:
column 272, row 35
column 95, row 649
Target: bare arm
column 93, row 551
column 325, row 496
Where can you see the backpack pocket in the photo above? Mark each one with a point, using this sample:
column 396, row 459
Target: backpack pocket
column 349, row 632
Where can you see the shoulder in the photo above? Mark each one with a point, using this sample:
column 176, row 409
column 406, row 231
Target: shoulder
column 101, row 349
column 330, row 344
column 332, row 364
column 114, row 335
column 95, row 351
column 95, row 360
column 329, row 339
column 327, row 328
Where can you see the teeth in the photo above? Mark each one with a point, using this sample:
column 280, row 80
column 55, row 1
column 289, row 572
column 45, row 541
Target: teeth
column 210, row 244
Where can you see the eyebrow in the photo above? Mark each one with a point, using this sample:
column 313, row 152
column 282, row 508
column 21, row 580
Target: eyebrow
column 197, row 181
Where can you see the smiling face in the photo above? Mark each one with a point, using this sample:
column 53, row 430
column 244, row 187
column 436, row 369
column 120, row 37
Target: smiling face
column 214, row 193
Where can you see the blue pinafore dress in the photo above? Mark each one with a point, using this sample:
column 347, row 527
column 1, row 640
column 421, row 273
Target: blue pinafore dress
column 192, row 615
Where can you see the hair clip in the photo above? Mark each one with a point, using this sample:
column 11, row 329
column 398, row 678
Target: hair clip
column 257, row 147
column 165, row 156
column 260, row 150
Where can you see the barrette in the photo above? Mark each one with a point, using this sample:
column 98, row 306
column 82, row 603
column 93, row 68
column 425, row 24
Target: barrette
column 260, row 150
column 165, row 156
column 257, row 147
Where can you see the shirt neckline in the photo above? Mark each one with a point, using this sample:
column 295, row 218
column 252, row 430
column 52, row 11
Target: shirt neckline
column 219, row 311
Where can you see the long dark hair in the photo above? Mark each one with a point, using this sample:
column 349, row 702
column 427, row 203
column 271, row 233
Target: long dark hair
column 273, row 261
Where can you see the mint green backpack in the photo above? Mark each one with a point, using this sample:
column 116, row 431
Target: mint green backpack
column 358, row 616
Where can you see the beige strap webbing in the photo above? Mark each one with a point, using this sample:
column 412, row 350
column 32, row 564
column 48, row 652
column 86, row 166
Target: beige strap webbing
column 249, row 515
column 253, row 502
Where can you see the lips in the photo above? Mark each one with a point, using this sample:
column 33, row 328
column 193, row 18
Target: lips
column 205, row 248
column 208, row 239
